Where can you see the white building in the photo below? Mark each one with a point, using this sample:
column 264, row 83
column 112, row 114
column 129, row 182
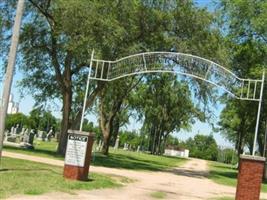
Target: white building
column 177, row 152
column 13, row 107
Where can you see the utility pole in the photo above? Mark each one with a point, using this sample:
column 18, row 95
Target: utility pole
column 9, row 71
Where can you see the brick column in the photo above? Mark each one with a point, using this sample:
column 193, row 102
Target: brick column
column 249, row 177
column 78, row 155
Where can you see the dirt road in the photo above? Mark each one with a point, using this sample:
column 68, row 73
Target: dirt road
column 188, row 182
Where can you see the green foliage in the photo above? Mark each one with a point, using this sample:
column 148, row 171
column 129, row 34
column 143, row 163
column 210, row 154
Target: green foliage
column 38, row 119
column 42, row 120
column 89, row 127
column 116, row 159
column 132, row 139
column 58, row 36
column 244, row 24
column 203, row 146
column 14, row 119
column 228, row 156
column 165, row 105
column 226, row 175
column 158, row 195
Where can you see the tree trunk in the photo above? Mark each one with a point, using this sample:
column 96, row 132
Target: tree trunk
column 115, row 129
column 106, row 142
column 65, row 122
column 77, row 120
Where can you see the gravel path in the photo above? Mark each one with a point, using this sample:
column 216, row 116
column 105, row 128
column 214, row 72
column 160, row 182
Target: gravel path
column 188, row 182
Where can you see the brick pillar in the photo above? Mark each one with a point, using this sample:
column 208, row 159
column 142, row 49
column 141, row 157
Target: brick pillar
column 249, row 177
column 78, row 155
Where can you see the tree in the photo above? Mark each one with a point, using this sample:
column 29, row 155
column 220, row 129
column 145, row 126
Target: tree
column 55, row 45
column 165, row 105
column 203, row 146
column 58, row 37
column 111, row 105
column 244, row 23
column 14, row 119
column 40, row 119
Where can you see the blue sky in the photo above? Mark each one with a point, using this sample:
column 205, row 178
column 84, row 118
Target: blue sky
column 27, row 102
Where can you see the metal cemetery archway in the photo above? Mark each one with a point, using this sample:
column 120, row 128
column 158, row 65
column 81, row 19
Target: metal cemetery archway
column 178, row 63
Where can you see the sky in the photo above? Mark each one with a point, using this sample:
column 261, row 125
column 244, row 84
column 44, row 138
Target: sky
column 26, row 104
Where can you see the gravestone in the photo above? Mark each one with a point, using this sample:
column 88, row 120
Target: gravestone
column 100, row 145
column 49, row 135
column 138, row 148
column 125, row 146
column 25, row 137
column 117, row 142
column 43, row 135
column 12, row 131
column 17, row 129
column 31, row 137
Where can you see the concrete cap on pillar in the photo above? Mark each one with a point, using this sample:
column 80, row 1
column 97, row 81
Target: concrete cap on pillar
column 250, row 157
column 81, row 133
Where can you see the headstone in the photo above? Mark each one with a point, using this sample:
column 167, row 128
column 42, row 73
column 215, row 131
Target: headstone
column 78, row 155
column 43, row 135
column 31, row 137
column 17, row 129
column 138, row 148
column 125, row 146
column 100, row 145
column 11, row 138
column 117, row 142
column 49, row 135
column 6, row 135
column 12, row 131
column 25, row 138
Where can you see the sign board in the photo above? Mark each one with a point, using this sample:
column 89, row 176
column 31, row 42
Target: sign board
column 76, row 150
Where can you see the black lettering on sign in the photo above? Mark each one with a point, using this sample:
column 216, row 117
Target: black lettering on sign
column 78, row 138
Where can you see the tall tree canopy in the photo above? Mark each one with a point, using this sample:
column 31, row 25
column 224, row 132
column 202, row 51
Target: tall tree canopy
column 58, row 36
column 245, row 26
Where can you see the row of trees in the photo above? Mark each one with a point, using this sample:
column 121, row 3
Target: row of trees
column 58, row 36
column 37, row 119
column 245, row 25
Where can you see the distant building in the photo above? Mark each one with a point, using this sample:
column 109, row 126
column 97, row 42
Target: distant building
column 176, row 151
column 13, row 107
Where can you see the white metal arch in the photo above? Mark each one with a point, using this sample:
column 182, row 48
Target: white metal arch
column 178, row 63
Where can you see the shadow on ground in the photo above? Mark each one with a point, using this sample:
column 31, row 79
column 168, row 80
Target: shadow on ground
column 189, row 173
column 35, row 152
column 114, row 160
column 29, row 170
column 126, row 162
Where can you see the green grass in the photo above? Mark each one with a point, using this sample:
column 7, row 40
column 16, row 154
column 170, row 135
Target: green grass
column 136, row 161
column 226, row 175
column 158, row 195
column 116, row 159
column 223, row 198
column 42, row 149
column 25, row 177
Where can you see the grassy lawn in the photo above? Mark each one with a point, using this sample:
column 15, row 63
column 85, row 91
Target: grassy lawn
column 223, row 198
column 43, row 149
column 158, row 195
column 116, row 159
column 25, row 177
column 136, row 161
column 226, row 175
